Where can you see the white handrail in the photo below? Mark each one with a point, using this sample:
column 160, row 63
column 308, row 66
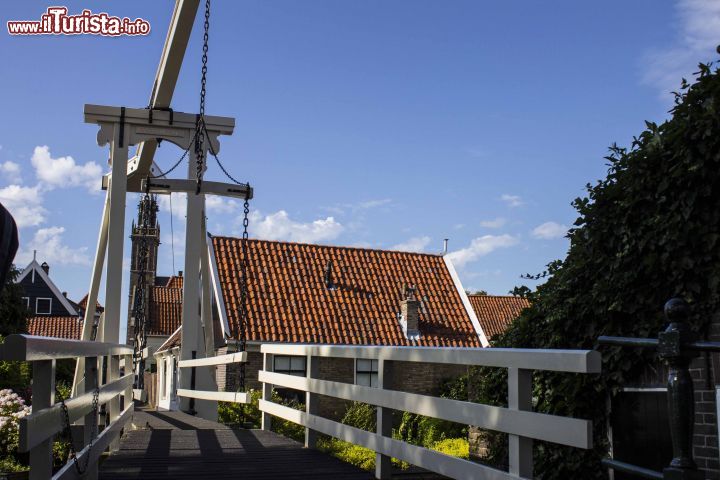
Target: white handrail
column 517, row 420
column 237, row 357
column 571, row 361
column 233, row 397
column 30, row 348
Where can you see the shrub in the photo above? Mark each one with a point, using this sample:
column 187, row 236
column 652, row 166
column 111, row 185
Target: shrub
column 362, row 416
column 12, row 409
column 456, row 447
column 361, row 457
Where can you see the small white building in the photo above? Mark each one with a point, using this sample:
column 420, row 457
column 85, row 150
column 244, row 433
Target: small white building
column 166, row 358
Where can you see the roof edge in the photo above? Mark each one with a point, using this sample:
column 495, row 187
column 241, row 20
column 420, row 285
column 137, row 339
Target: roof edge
column 466, row 302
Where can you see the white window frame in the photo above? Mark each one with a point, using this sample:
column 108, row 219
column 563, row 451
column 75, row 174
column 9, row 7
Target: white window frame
column 290, row 371
column 26, row 300
column 371, row 372
column 37, row 300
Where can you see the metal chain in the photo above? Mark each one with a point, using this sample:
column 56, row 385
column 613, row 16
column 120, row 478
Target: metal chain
column 200, row 120
column 68, row 431
column 243, row 290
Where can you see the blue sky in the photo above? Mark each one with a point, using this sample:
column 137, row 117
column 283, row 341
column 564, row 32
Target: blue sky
column 386, row 124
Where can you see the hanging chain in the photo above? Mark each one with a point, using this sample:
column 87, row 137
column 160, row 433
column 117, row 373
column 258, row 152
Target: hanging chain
column 141, row 298
column 244, row 290
column 200, row 120
column 68, row 430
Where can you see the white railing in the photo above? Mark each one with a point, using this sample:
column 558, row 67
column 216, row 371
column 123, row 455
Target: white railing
column 47, row 419
column 517, row 420
column 235, row 397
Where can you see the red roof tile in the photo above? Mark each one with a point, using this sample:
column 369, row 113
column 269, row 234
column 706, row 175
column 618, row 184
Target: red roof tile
column 61, row 327
column 175, row 282
column 83, row 304
column 165, row 312
column 288, row 300
column 495, row 312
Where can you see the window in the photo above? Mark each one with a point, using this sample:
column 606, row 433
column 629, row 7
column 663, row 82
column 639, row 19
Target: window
column 43, row 306
column 366, row 372
column 26, row 302
column 290, row 365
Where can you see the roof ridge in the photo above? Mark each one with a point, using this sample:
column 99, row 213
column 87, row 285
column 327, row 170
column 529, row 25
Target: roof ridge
column 344, row 247
column 495, row 296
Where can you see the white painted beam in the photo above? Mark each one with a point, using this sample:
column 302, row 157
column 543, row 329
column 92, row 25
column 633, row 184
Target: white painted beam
column 235, row 397
column 572, row 361
column 217, row 360
column 173, row 185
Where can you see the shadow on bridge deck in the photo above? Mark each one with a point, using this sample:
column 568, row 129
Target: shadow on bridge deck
column 176, row 445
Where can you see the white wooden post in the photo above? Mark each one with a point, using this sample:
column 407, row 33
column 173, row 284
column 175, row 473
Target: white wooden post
column 97, row 271
column 311, row 399
column 90, row 429
column 116, row 238
column 520, row 398
column 192, row 333
column 383, row 463
column 43, row 396
column 267, row 391
column 206, row 314
column 128, row 395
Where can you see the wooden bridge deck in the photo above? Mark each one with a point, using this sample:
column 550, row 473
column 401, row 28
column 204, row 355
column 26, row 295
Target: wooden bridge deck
column 165, row 445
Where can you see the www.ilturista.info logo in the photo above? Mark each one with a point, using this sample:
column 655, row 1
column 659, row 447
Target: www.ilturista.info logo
column 56, row 21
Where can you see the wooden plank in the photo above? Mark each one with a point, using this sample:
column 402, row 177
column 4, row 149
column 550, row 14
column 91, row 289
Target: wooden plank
column 44, row 423
column 235, row 397
column 572, row 361
column 29, row 348
column 562, row 430
column 216, row 360
column 452, row 467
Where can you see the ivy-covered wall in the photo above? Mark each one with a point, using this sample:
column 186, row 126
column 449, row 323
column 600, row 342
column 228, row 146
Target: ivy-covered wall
column 647, row 232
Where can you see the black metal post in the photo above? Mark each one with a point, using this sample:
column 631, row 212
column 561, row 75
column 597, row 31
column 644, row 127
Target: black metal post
column 681, row 392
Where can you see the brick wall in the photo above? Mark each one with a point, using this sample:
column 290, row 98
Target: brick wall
column 705, row 441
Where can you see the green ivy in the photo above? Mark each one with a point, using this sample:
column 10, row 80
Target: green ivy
column 646, row 233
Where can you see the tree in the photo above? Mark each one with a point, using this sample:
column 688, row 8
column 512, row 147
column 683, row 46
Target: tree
column 646, row 233
column 13, row 313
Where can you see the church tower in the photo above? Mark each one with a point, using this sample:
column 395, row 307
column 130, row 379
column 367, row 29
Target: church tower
column 146, row 229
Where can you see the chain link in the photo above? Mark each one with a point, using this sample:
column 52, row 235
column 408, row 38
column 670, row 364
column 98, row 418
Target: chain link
column 200, row 120
column 244, row 290
column 68, row 431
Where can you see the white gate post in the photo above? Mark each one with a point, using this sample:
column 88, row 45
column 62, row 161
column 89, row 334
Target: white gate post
column 90, row 430
column 520, row 398
column 267, row 391
column 311, row 399
column 192, row 333
column 116, row 238
column 383, row 463
column 43, row 396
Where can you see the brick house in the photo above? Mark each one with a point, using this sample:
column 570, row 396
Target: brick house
column 302, row 293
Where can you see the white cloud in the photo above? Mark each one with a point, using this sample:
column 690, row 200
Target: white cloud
column 698, row 35
column 217, row 204
column 549, row 230
column 11, row 172
column 64, row 172
column 512, row 201
column 25, row 204
column 50, row 247
column 497, row 223
column 341, row 208
column 480, row 247
column 415, row 244
column 279, row 226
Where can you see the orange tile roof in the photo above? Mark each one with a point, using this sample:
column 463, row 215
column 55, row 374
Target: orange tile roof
column 288, row 300
column 61, row 327
column 83, row 304
column 175, row 282
column 495, row 312
column 165, row 312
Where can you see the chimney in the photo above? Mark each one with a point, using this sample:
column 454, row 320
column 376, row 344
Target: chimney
column 445, row 246
column 180, row 273
column 410, row 311
column 329, row 284
column 45, row 267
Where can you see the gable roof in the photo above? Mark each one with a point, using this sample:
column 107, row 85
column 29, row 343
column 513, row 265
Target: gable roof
column 173, row 341
column 496, row 312
column 175, row 282
column 289, row 301
column 61, row 327
column 34, row 268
